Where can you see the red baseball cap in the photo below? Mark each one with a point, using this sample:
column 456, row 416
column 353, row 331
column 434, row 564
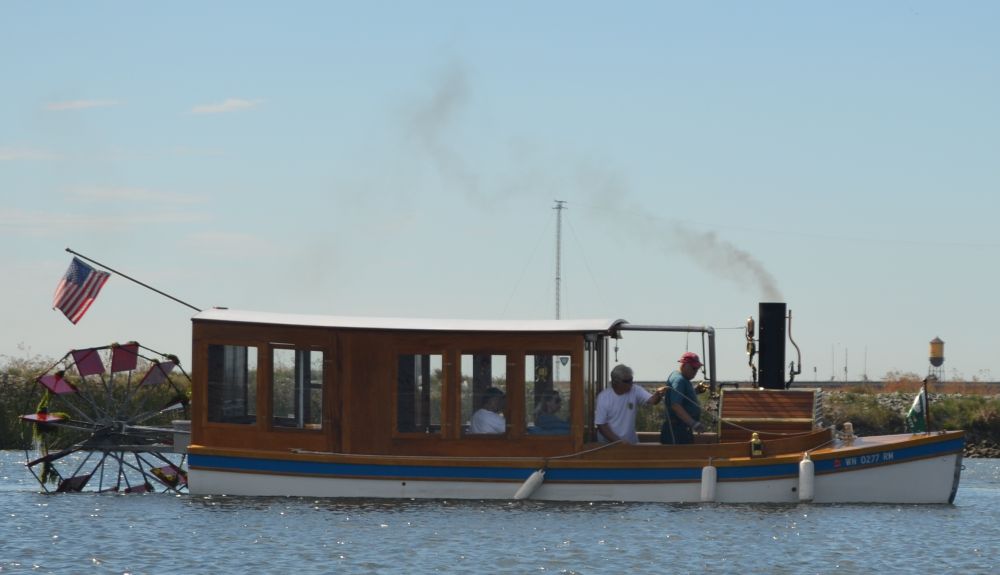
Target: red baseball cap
column 690, row 358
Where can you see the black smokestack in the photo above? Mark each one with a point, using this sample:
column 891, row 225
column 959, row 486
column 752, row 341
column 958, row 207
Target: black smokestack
column 772, row 345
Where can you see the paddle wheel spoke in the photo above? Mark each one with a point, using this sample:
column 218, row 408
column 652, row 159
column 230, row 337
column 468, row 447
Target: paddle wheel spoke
column 103, row 422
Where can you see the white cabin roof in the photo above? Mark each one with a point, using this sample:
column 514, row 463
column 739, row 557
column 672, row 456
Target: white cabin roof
column 409, row 324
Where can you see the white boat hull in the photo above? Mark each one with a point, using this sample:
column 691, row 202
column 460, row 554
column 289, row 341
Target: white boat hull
column 881, row 477
column 931, row 480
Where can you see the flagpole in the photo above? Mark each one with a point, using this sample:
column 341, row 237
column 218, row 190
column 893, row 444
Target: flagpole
column 927, row 407
column 132, row 279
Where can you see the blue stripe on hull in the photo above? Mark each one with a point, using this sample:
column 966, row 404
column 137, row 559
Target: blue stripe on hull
column 346, row 470
column 757, row 472
column 617, row 475
column 225, row 463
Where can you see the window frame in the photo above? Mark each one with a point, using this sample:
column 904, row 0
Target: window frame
column 508, row 422
column 305, row 427
column 258, row 416
column 569, row 398
column 444, row 407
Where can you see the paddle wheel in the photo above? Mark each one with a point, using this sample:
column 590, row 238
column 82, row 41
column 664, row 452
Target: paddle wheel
column 104, row 422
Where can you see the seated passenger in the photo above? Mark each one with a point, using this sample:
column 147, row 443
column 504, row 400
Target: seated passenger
column 487, row 419
column 546, row 420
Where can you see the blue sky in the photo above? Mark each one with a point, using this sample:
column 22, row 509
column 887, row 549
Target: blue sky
column 402, row 159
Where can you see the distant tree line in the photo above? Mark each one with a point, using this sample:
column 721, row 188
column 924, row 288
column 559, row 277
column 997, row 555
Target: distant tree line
column 20, row 394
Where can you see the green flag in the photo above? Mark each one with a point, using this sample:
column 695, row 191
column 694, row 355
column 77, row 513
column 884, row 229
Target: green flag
column 916, row 418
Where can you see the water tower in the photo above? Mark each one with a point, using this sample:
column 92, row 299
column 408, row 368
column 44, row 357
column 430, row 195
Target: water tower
column 937, row 359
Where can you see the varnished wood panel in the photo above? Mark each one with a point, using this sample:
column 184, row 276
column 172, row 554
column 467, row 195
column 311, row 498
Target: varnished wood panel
column 260, row 434
column 359, row 385
column 771, row 413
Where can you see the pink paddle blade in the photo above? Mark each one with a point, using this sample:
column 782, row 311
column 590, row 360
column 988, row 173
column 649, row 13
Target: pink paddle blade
column 88, row 362
column 124, row 357
column 56, row 384
column 158, row 373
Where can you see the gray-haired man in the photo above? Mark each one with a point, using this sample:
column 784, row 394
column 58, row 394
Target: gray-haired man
column 616, row 406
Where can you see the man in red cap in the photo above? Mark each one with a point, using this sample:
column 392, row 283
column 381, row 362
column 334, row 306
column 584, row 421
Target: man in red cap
column 682, row 407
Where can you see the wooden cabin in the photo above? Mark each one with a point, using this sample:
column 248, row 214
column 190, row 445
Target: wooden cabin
column 269, row 381
column 380, row 386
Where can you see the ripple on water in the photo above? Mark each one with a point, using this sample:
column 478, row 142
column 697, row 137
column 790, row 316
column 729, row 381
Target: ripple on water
column 156, row 533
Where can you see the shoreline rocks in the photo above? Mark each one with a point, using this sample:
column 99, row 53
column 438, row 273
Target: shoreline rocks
column 981, row 449
column 978, row 443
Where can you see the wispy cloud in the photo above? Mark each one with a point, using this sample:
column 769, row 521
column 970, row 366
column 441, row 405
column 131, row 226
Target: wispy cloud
column 41, row 223
column 185, row 151
column 136, row 195
column 231, row 244
column 80, row 105
column 229, row 105
column 10, row 154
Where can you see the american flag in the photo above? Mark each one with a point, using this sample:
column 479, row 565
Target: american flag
column 78, row 289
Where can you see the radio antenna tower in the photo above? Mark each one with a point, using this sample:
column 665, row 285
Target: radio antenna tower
column 559, row 207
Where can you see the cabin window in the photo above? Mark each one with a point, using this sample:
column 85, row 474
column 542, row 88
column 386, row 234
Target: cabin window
column 418, row 393
column 297, row 388
column 232, row 384
column 484, row 387
column 547, row 393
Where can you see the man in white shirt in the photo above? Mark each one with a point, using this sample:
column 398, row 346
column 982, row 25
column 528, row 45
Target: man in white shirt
column 487, row 419
column 616, row 407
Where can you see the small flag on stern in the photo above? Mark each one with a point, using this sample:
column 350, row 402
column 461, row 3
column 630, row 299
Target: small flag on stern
column 78, row 289
column 915, row 418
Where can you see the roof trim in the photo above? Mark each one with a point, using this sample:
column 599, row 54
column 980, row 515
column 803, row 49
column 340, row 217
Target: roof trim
column 408, row 324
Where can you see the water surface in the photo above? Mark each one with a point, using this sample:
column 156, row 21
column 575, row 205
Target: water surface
column 154, row 533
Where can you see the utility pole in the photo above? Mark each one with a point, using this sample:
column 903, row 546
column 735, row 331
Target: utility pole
column 845, row 364
column 833, row 363
column 559, row 207
column 865, row 374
